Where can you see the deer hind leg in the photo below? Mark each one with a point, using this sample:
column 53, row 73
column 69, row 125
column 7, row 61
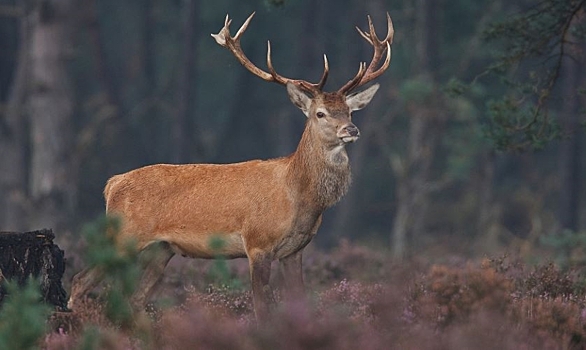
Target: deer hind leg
column 260, row 273
column 153, row 261
column 83, row 282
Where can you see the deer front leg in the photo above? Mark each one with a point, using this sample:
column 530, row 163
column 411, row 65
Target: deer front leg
column 291, row 269
column 153, row 261
column 260, row 273
column 83, row 282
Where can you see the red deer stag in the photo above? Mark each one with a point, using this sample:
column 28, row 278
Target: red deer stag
column 262, row 210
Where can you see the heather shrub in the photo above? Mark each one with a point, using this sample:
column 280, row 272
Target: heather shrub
column 59, row 340
column 296, row 326
column 543, row 308
column 560, row 320
column 551, row 302
column 92, row 338
column 354, row 300
column 550, row 282
column 484, row 329
column 346, row 261
column 184, row 276
column 193, row 326
column 223, row 300
column 450, row 295
column 497, row 303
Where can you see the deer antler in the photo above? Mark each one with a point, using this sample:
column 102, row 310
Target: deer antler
column 233, row 44
column 365, row 74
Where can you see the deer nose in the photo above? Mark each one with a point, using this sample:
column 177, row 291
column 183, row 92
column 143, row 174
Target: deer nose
column 352, row 130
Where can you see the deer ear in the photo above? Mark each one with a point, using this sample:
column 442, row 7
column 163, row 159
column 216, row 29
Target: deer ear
column 360, row 99
column 299, row 98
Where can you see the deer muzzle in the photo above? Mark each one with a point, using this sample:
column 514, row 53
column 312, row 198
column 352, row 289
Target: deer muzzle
column 349, row 133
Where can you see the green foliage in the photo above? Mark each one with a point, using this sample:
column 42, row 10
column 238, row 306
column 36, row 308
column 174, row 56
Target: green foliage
column 97, row 338
column 464, row 139
column 417, row 90
column 532, row 47
column 119, row 266
column 512, row 125
column 275, row 3
column 90, row 339
column 219, row 272
column 569, row 247
column 455, row 88
column 536, row 32
column 464, row 144
column 22, row 317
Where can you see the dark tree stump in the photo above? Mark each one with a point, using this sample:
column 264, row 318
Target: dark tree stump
column 33, row 254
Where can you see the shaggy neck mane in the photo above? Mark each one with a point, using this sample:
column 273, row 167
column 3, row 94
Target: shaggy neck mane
column 320, row 173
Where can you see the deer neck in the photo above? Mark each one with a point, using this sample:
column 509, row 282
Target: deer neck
column 320, row 173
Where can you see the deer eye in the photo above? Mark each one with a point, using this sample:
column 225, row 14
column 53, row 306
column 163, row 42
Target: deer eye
column 320, row 114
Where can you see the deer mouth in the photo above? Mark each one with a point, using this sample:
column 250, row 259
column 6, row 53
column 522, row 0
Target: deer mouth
column 349, row 133
column 349, row 139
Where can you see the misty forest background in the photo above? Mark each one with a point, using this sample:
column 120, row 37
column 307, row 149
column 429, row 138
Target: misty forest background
column 472, row 146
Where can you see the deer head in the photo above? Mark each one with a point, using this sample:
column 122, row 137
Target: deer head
column 328, row 113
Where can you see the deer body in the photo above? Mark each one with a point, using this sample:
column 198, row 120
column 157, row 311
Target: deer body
column 261, row 210
column 273, row 205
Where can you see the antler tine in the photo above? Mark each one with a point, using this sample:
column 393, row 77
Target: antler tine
column 324, row 75
column 366, row 36
column 278, row 78
column 224, row 39
column 353, row 83
column 390, row 30
column 311, row 87
column 379, row 46
column 232, row 43
column 243, row 27
column 371, row 29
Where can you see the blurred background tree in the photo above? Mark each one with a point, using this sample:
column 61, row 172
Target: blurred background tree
column 473, row 144
column 541, row 61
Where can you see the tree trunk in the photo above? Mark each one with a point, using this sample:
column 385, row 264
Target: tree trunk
column 487, row 220
column 33, row 254
column 412, row 181
column 13, row 142
column 180, row 131
column 413, row 175
column 401, row 224
column 570, row 149
column 103, row 71
column 50, row 104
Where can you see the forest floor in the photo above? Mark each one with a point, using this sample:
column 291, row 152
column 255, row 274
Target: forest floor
column 357, row 299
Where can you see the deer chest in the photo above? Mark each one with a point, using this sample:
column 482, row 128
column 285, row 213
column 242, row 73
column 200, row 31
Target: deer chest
column 302, row 232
